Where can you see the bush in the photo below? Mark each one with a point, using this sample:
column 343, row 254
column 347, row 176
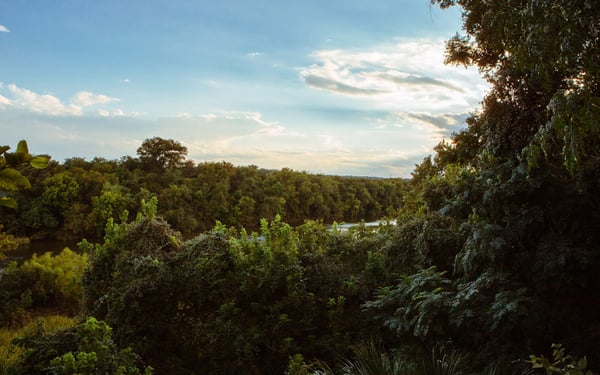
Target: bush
column 57, row 346
column 56, row 279
column 561, row 363
column 47, row 281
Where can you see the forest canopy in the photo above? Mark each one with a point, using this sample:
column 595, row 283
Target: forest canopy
column 73, row 200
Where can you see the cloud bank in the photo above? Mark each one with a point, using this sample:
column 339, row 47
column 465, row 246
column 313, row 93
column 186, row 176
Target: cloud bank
column 4, row 29
column 379, row 146
column 407, row 75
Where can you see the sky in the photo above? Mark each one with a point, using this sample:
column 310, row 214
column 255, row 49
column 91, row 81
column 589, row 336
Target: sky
column 340, row 87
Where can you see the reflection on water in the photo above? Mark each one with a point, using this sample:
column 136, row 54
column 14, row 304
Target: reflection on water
column 369, row 224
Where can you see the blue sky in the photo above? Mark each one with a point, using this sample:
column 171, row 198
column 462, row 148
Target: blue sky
column 348, row 87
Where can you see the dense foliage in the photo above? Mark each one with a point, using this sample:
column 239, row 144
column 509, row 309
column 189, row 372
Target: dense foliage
column 43, row 282
column 232, row 302
column 493, row 256
column 87, row 348
column 11, row 181
column 73, row 200
column 519, row 186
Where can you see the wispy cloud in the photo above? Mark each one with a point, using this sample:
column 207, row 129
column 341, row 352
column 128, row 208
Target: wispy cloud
column 375, row 145
column 339, row 86
column 110, row 113
column 409, row 75
column 438, row 125
column 4, row 29
column 415, row 80
column 83, row 102
column 86, row 99
column 4, row 102
column 388, row 146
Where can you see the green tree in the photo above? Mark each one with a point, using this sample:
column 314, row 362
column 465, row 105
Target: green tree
column 111, row 202
column 158, row 153
column 11, row 180
column 521, row 181
column 61, row 190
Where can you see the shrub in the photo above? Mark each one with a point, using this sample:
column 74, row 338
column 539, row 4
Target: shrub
column 57, row 346
column 56, row 278
column 45, row 281
column 561, row 363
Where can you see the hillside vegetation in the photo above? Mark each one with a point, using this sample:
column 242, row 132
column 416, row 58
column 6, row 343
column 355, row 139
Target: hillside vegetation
column 490, row 266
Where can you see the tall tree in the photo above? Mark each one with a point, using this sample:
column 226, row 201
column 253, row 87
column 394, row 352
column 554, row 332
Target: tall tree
column 520, row 185
column 526, row 172
column 158, row 153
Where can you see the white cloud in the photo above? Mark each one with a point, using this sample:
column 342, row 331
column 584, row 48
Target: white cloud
column 86, row 99
column 4, row 29
column 218, row 128
column 253, row 55
column 408, row 75
column 437, row 125
column 41, row 103
column 208, row 116
column 83, row 102
column 184, row 115
column 110, row 113
column 4, row 102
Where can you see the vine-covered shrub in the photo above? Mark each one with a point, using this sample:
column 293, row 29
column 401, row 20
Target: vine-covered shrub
column 231, row 302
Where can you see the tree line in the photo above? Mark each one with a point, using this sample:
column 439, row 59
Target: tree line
column 73, row 200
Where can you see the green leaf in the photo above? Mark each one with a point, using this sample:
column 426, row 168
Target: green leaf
column 39, row 162
column 22, row 148
column 11, row 179
column 3, row 149
column 8, row 202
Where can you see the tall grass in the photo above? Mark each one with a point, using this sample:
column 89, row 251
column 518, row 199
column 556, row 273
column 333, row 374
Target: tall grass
column 368, row 360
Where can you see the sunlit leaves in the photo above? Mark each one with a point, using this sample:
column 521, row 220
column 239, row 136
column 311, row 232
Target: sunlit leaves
column 39, row 162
